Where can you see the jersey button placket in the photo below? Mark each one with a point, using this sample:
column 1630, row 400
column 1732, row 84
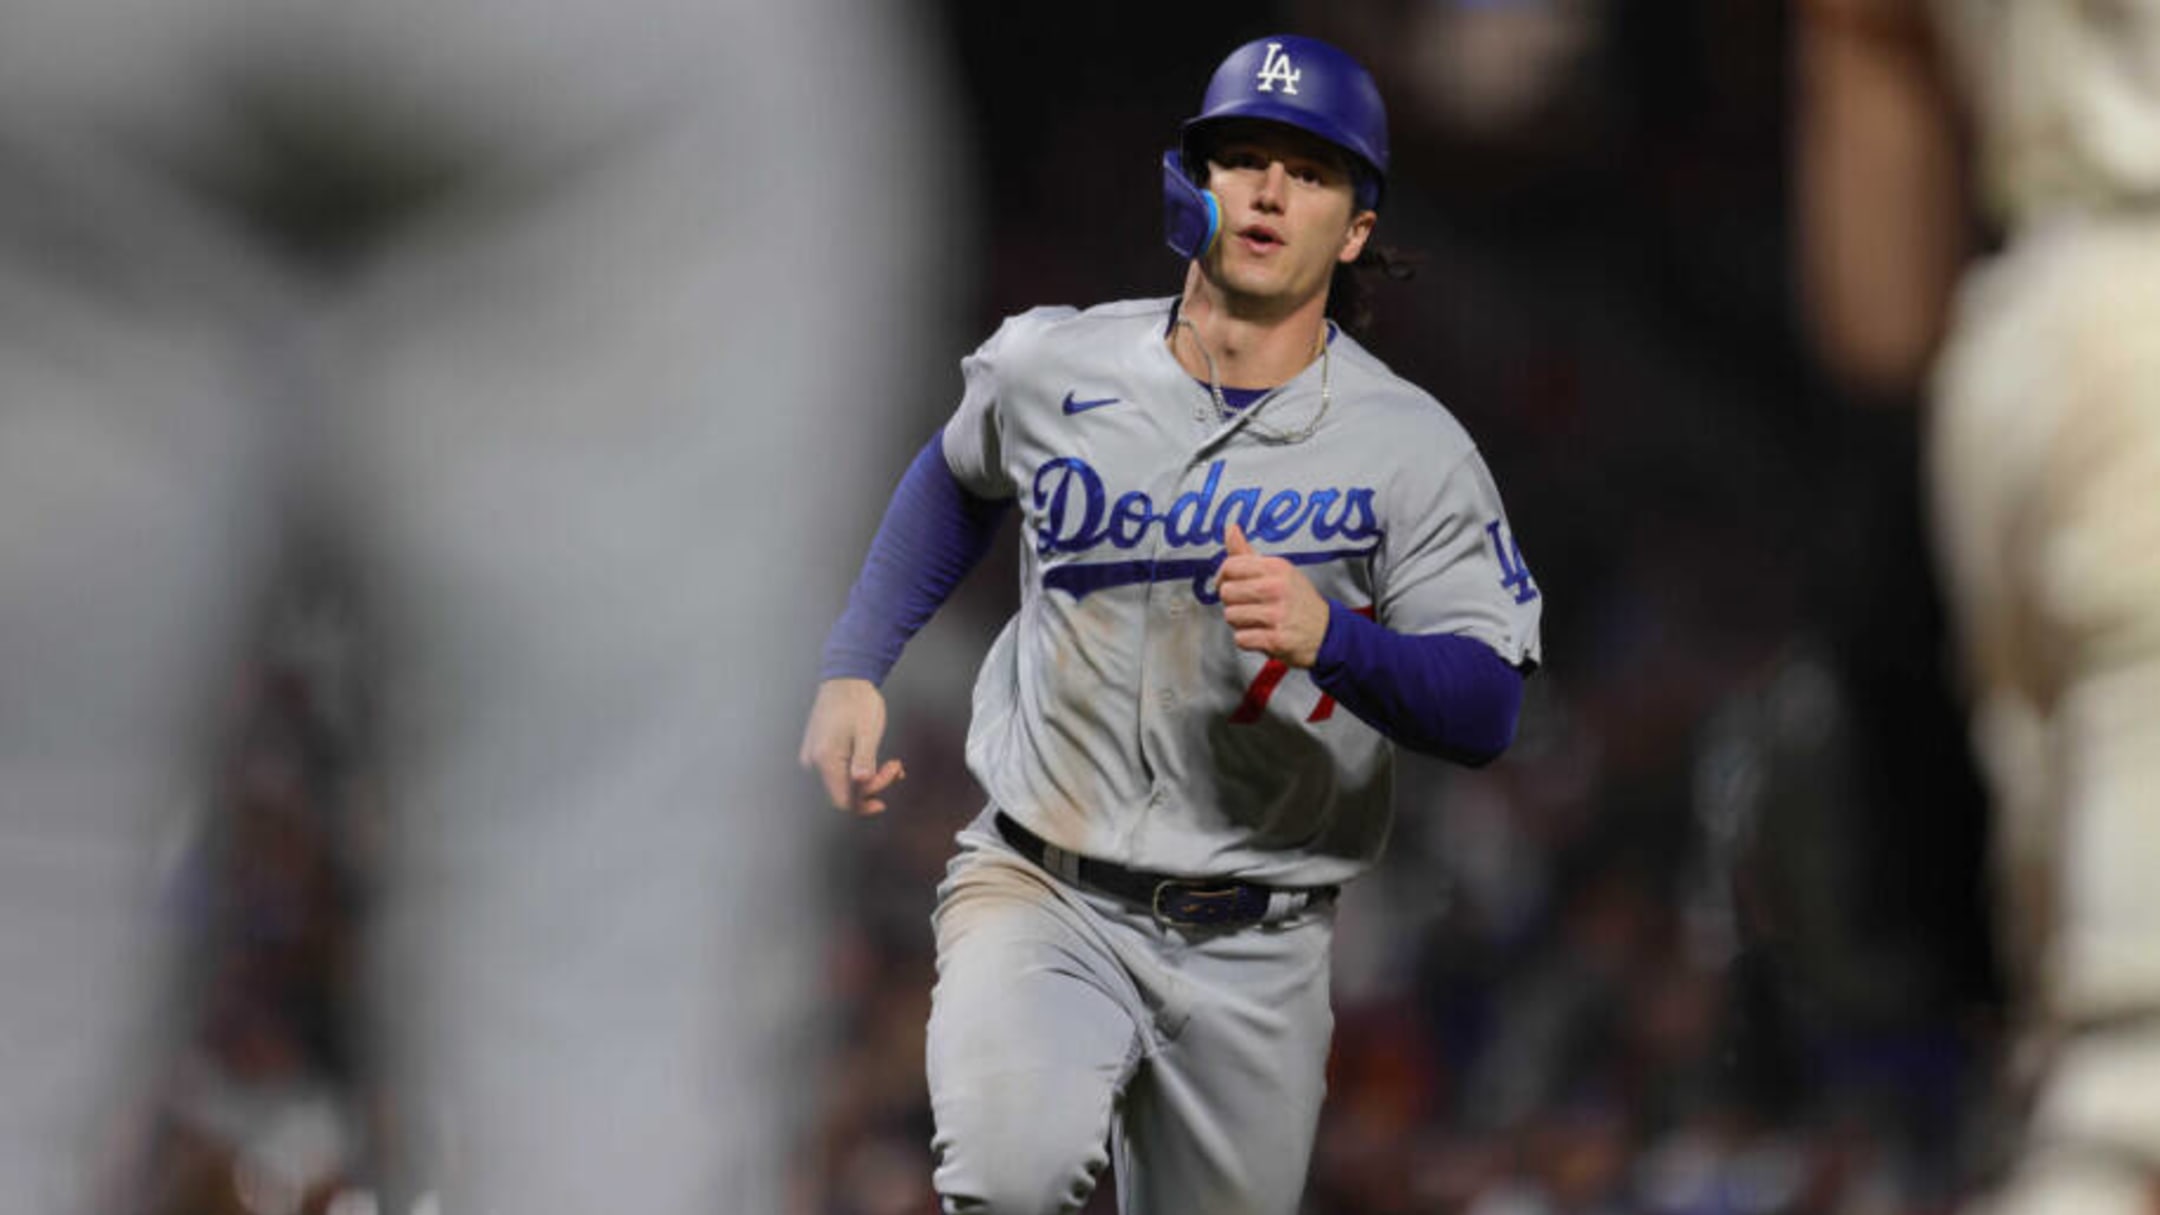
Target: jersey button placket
column 1167, row 603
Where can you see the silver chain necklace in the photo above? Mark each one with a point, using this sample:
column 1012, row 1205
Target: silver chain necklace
column 1259, row 429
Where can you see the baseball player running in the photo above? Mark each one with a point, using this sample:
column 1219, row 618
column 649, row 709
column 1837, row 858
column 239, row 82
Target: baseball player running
column 1253, row 561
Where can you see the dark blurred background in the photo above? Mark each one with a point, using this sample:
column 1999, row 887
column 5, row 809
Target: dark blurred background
column 1711, row 940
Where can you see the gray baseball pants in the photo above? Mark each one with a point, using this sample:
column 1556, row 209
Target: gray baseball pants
column 1069, row 1028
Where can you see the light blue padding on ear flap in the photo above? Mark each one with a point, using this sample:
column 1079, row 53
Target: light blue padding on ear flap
column 1191, row 216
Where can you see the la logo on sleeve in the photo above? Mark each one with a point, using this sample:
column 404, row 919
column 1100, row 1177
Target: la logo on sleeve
column 1514, row 571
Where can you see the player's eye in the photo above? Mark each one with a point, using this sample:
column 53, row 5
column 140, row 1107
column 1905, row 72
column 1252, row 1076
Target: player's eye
column 1240, row 158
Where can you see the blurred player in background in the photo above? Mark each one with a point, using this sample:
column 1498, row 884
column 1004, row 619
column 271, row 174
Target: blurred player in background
column 2044, row 471
column 570, row 325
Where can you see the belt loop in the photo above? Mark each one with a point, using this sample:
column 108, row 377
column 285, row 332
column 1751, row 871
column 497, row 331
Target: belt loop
column 1282, row 904
column 1062, row 864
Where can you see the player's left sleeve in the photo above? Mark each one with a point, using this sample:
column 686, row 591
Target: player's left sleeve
column 1450, row 561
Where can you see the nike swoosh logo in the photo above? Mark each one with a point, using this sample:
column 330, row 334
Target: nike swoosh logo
column 1073, row 406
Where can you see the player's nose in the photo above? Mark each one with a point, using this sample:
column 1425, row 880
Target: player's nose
column 1274, row 186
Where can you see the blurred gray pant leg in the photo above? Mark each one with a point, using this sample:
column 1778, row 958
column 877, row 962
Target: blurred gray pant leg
column 594, row 427
column 604, row 439
column 132, row 478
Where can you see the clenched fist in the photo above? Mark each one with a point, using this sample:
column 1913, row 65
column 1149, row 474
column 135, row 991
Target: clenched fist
column 1271, row 606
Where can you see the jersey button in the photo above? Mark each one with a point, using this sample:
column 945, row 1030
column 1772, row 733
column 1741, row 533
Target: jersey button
column 1166, row 696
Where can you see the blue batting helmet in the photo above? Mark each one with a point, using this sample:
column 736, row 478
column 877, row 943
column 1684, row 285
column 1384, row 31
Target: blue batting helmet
column 1307, row 84
column 1288, row 79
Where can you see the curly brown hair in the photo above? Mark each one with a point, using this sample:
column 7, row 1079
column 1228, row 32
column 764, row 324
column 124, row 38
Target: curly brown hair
column 1352, row 289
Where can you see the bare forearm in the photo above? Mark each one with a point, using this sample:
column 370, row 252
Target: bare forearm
column 1879, row 215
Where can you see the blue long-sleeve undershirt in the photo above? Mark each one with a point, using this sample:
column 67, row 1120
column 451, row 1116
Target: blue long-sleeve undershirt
column 933, row 533
column 1440, row 693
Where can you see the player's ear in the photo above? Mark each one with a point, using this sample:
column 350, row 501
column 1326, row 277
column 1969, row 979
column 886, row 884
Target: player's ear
column 1360, row 231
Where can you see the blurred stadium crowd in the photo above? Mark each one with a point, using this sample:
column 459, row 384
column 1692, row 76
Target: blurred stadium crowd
column 1711, row 940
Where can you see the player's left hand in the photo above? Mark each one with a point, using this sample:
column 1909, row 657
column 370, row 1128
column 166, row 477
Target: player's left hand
column 1271, row 606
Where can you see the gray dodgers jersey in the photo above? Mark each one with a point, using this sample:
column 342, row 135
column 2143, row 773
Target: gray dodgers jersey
column 1114, row 715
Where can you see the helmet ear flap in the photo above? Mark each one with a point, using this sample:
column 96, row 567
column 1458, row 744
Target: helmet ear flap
column 1191, row 216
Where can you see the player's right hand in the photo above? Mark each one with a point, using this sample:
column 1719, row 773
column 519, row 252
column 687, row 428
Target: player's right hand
column 840, row 744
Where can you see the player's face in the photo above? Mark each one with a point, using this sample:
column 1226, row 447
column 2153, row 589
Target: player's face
column 1288, row 214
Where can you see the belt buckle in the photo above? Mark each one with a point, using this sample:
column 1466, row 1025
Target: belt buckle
column 1187, row 904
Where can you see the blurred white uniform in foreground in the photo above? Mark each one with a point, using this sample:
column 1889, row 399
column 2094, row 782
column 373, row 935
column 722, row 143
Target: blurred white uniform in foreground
column 2046, row 476
column 576, row 322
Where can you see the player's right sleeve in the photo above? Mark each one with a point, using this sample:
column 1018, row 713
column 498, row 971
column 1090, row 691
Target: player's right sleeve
column 974, row 440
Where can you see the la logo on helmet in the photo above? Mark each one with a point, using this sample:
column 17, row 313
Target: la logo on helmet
column 1275, row 69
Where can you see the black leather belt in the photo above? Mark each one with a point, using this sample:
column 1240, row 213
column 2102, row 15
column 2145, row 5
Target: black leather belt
column 1186, row 902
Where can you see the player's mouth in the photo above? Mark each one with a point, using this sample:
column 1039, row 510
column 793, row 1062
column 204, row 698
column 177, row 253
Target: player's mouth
column 1259, row 238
